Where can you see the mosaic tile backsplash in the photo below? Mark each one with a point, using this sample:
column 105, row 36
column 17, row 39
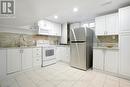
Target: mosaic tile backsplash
column 17, row 40
column 110, row 40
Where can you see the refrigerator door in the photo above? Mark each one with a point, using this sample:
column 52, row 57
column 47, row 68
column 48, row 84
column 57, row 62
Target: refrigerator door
column 78, row 55
column 78, row 34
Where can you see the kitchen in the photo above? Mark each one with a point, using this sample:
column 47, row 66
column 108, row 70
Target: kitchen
column 71, row 44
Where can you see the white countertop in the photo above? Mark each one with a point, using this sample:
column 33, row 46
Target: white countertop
column 113, row 48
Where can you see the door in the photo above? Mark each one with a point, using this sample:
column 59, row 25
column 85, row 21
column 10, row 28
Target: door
column 78, row 34
column 27, row 58
column 13, row 60
column 98, row 59
column 111, row 61
column 100, row 25
column 78, row 55
column 124, row 61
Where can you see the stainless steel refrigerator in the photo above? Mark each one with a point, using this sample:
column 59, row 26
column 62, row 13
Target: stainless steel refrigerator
column 81, row 45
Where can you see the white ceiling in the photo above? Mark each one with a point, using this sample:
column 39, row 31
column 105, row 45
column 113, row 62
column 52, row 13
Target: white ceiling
column 30, row 11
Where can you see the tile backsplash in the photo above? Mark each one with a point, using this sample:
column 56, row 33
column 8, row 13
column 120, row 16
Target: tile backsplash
column 17, row 40
column 107, row 40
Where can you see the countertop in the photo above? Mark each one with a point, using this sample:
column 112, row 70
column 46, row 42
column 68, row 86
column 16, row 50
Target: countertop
column 113, row 48
column 19, row 47
column 22, row 47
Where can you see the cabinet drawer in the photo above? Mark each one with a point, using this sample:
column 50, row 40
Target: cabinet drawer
column 36, row 61
column 36, row 52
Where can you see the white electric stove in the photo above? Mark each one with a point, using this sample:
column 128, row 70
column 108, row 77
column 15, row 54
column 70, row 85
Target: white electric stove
column 48, row 53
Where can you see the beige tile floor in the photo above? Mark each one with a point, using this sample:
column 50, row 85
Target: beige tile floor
column 62, row 75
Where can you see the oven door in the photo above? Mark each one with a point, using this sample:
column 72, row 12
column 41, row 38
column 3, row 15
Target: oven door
column 48, row 53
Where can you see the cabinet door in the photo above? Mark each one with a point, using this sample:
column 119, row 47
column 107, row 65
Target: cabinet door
column 2, row 63
column 112, row 24
column 58, row 54
column 111, row 61
column 98, row 59
column 44, row 24
column 27, row 58
column 124, row 64
column 100, row 25
column 13, row 60
column 68, row 54
column 58, row 29
column 124, row 18
column 55, row 29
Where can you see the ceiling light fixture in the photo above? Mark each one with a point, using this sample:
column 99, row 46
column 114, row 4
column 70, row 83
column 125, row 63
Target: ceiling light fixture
column 75, row 9
column 56, row 17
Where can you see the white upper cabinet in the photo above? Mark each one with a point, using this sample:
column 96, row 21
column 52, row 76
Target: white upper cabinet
column 124, row 19
column 107, row 25
column 13, row 60
column 55, row 29
column 44, row 24
column 100, row 25
column 49, row 28
column 112, row 24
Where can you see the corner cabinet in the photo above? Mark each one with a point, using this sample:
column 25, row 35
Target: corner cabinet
column 49, row 28
column 106, row 60
column 107, row 25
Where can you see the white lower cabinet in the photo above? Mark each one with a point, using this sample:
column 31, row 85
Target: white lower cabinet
column 63, row 53
column 98, row 59
column 37, row 56
column 21, row 58
column 13, row 60
column 111, row 61
column 106, row 59
column 2, row 63
column 124, row 68
column 27, row 59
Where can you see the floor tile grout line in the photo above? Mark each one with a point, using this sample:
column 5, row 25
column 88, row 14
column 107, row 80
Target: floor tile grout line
column 17, row 82
column 30, row 79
